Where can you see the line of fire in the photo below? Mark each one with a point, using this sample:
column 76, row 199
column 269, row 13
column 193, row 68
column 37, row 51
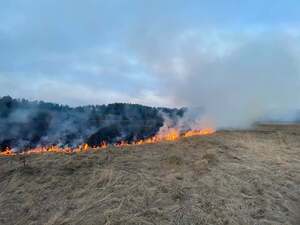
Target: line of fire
column 171, row 134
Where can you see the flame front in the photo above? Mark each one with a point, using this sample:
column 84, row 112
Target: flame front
column 206, row 131
column 172, row 134
column 7, row 152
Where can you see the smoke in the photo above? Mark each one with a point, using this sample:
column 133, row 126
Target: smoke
column 234, row 80
column 25, row 124
column 233, row 61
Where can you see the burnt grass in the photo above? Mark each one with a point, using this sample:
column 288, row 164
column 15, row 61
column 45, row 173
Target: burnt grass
column 231, row 177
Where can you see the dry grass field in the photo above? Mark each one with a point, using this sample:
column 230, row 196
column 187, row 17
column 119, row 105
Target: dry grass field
column 229, row 178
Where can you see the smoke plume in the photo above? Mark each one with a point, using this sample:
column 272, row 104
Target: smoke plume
column 234, row 81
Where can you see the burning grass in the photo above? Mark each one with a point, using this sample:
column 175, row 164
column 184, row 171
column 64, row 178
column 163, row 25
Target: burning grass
column 171, row 134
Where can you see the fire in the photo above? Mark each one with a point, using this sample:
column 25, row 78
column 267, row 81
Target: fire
column 206, row 131
column 7, row 152
column 85, row 147
column 172, row 134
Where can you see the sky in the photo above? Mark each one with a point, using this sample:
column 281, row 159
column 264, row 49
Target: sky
column 223, row 55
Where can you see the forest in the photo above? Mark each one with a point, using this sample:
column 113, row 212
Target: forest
column 26, row 124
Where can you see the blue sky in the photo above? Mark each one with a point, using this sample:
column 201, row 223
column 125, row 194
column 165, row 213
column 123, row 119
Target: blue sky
column 161, row 53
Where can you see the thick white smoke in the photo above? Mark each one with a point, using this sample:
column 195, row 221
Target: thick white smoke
column 235, row 81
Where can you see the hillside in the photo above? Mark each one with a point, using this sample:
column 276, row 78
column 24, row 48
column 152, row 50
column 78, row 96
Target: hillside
column 231, row 177
column 26, row 124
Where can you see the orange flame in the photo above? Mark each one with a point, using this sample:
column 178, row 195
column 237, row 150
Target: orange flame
column 171, row 135
column 7, row 152
column 205, row 131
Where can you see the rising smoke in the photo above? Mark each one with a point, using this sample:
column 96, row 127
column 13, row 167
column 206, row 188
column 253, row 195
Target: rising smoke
column 232, row 60
column 235, row 81
column 25, row 124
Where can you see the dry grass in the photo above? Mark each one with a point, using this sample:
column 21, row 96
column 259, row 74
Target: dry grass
column 232, row 177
